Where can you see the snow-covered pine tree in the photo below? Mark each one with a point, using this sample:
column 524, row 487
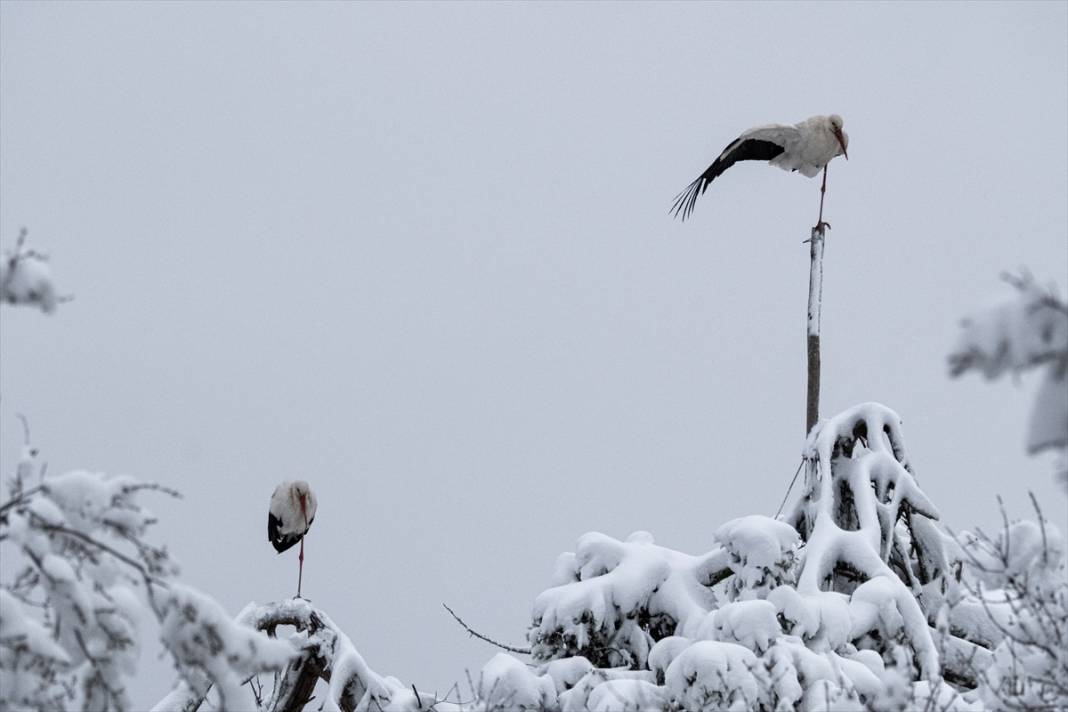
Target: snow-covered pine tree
column 822, row 608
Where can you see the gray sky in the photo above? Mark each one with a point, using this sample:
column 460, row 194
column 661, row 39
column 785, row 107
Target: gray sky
column 420, row 255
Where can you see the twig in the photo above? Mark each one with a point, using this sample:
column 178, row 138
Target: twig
column 491, row 641
column 59, row 529
column 25, row 428
column 257, row 690
column 19, row 499
column 14, row 258
column 1005, row 518
column 148, row 578
column 1042, row 524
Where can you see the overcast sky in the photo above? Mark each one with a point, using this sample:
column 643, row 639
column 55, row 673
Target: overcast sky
column 420, row 255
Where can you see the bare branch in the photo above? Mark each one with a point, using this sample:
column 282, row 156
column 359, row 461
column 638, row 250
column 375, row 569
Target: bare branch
column 491, row 641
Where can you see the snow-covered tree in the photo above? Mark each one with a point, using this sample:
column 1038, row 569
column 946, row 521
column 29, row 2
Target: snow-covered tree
column 820, row 608
column 79, row 574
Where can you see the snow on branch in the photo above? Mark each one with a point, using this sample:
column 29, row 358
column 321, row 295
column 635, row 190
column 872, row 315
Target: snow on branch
column 323, row 652
column 1019, row 332
column 1027, row 330
column 26, row 279
column 1013, row 588
column 614, row 599
column 210, row 650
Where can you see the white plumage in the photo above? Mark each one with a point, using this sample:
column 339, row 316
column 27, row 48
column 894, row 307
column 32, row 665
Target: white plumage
column 806, row 147
column 289, row 517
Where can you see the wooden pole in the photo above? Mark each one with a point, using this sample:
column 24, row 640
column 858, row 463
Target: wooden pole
column 815, row 298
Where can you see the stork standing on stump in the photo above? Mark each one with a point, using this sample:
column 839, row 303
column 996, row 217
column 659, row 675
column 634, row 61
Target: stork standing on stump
column 290, row 516
column 806, row 147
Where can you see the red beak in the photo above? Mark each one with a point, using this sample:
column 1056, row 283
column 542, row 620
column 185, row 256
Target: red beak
column 841, row 142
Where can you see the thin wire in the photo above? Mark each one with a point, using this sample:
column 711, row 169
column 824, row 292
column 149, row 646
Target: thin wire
column 788, row 489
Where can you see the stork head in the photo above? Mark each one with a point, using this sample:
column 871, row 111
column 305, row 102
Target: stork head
column 301, row 491
column 843, row 138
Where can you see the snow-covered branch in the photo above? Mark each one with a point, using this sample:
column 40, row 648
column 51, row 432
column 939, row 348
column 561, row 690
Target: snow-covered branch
column 26, row 279
column 323, row 653
column 1025, row 331
column 1013, row 586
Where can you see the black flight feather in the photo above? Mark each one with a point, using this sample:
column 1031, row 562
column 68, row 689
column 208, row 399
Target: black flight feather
column 279, row 541
column 750, row 149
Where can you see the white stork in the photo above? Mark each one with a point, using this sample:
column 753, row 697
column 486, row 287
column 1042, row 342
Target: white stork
column 290, row 516
column 806, row 147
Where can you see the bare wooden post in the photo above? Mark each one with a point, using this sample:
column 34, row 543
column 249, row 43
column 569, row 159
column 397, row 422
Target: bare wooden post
column 815, row 298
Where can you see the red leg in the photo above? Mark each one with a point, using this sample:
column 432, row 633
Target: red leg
column 300, row 576
column 823, row 191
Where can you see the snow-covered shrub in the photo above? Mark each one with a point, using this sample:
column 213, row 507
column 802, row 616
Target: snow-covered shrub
column 1012, row 590
column 80, row 575
column 25, row 278
column 1025, row 331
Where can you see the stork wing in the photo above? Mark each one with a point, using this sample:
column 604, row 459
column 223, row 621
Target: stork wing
column 274, row 524
column 278, row 540
column 284, row 542
column 760, row 144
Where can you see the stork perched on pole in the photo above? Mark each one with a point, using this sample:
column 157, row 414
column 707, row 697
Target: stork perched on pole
column 291, row 514
column 806, row 147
